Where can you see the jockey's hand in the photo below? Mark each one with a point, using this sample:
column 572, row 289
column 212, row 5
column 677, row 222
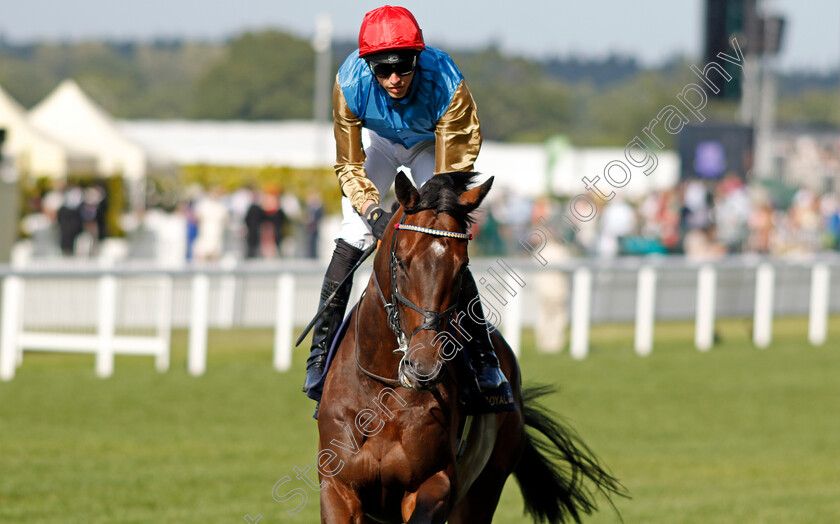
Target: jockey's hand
column 377, row 218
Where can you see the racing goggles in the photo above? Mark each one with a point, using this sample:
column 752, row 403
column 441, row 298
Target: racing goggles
column 386, row 69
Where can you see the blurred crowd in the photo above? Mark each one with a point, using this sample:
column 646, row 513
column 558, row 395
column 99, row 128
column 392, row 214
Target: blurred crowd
column 78, row 214
column 207, row 224
column 698, row 218
column 265, row 224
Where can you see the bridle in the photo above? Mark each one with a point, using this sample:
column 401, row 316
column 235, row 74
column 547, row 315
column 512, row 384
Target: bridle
column 433, row 320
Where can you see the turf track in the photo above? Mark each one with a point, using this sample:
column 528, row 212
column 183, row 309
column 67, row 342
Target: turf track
column 737, row 435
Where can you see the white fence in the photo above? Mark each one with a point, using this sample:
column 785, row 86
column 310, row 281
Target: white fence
column 128, row 309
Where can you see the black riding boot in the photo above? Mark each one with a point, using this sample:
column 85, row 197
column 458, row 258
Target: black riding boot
column 344, row 258
column 482, row 356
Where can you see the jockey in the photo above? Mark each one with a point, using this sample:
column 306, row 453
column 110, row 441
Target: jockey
column 420, row 114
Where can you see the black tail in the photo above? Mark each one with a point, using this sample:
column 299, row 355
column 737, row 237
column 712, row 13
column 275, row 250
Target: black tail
column 555, row 474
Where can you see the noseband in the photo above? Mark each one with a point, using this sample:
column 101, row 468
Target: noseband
column 433, row 320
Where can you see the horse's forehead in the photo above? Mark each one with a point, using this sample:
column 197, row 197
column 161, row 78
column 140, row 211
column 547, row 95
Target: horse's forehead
column 434, row 248
column 433, row 220
column 438, row 246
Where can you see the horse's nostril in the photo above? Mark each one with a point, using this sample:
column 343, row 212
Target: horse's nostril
column 419, row 374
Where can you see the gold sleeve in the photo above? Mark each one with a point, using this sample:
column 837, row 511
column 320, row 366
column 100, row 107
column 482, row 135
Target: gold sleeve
column 457, row 134
column 350, row 155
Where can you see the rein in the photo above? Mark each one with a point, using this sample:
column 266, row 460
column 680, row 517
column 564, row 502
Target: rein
column 374, row 376
column 432, row 319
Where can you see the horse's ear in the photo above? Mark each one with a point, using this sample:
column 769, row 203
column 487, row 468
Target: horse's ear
column 407, row 194
column 472, row 199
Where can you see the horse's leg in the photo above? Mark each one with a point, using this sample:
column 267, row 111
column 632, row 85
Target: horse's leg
column 479, row 504
column 430, row 503
column 340, row 504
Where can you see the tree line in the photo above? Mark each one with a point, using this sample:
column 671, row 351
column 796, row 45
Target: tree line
column 270, row 75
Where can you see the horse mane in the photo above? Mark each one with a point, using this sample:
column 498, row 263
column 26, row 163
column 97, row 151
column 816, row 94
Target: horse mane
column 441, row 193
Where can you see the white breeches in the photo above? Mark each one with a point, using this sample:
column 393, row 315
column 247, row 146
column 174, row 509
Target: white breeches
column 383, row 159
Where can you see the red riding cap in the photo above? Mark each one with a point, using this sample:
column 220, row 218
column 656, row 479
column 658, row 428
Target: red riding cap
column 387, row 28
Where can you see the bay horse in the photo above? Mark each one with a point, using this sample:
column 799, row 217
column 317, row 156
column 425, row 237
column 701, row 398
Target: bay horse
column 389, row 418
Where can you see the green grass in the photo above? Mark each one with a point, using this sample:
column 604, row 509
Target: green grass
column 735, row 435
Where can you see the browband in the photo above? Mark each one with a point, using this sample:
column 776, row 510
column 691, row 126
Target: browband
column 435, row 232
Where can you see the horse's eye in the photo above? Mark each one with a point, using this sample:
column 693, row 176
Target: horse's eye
column 400, row 263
